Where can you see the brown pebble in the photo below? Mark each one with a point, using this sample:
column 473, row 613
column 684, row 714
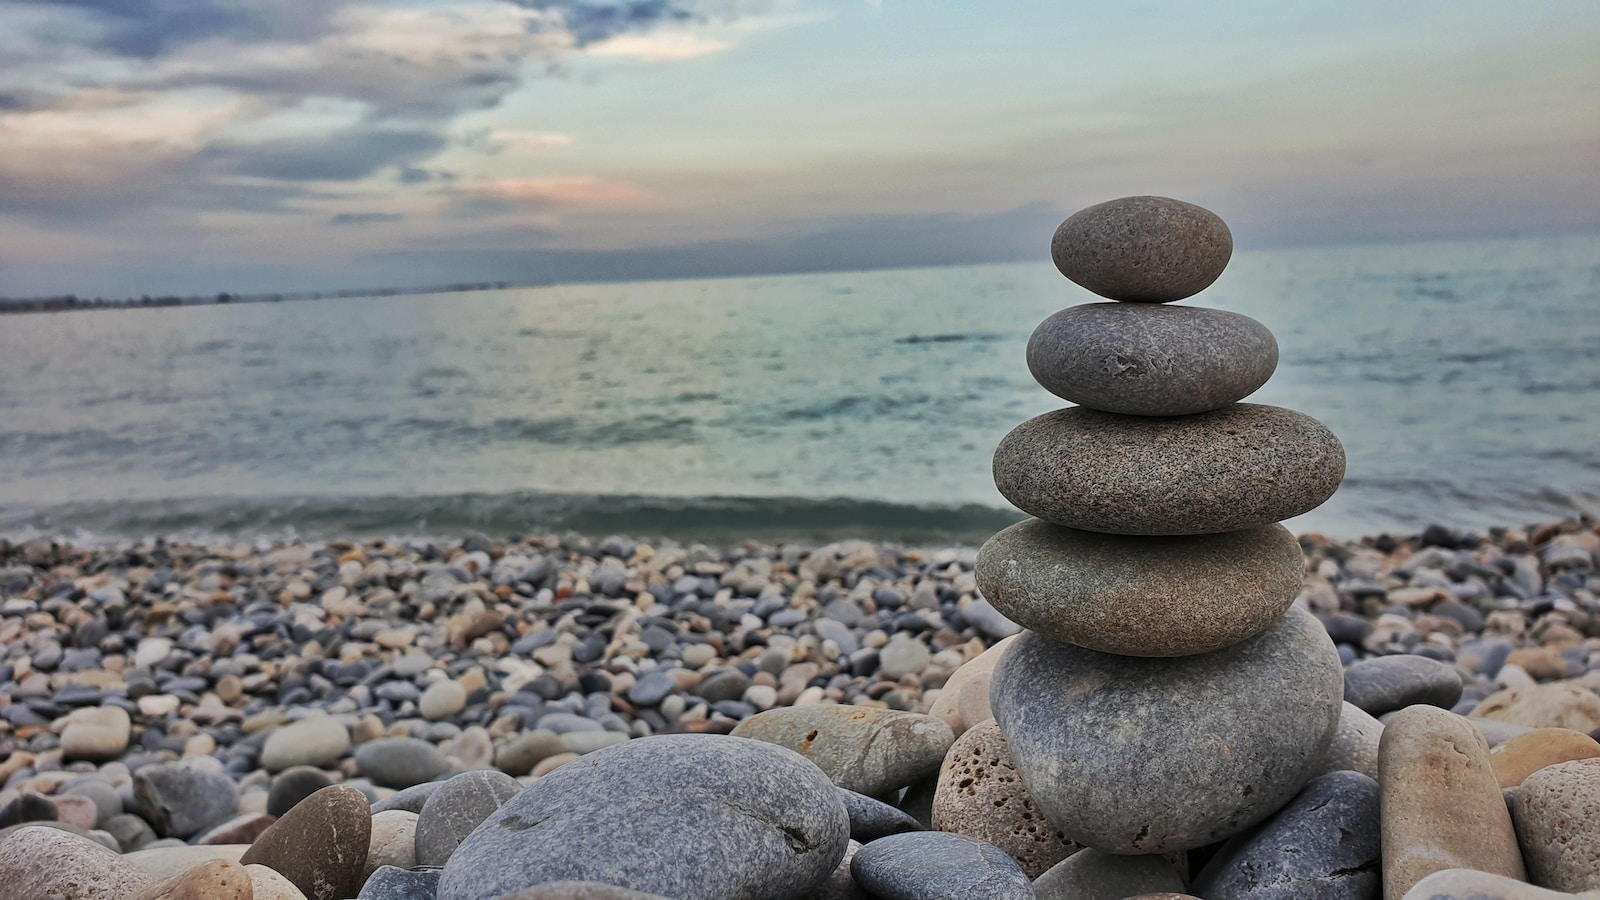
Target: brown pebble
column 320, row 845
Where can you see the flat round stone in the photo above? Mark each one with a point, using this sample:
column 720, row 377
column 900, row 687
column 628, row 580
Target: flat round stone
column 1152, row 249
column 1135, row 755
column 1144, row 360
column 1237, row 467
column 1141, row 596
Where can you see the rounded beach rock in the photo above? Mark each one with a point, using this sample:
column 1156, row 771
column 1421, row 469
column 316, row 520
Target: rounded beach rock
column 1470, row 884
column 1555, row 811
column 36, row 861
column 1441, row 806
column 318, row 742
column 1558, row 705
column 1143, row 360
column 1091, row 874
column 1241, row 729
column 320, row 845
column 1355, row 744
column 1141, row 596
column 1241, row 466
column 1527, row 753
column 686, row 816
column 1387, row 683
column 954, row 704
column 457, row 807
column 400, row 762
column 1323, row 844
column 1152, row 249
column 96, row 734
column 867, row 750
column 981, row 796
column 934, row 865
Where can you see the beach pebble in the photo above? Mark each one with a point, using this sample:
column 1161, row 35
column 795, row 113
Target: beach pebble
column 1471, row 884
column 318, row 742
column 410, row 799
column 218, row 879
column 980, row 795
column 520, row 754
column 1556, row 705
column 106, row 798
column 1100, row 740
column 869, row 751
column 934, row 865
column 400, row 762
column 1143, row 360
column 1324, row 843
column 1441, row 805
column 269, row 884
column 292, row 785
column 393, row 841
column 389, row 882
column 36, row 861
column 1387, row 683
column 872, row 819
column 442, row 700
column 1241, row 466
column 1555, row 812
column 27, row 807
column 457, row 807
column 579, row 890
column 1141, row 596
column 182, row 799
column 1527, row 753
column 952, row 706
column 1142, row 248
column 241, row 829
column 1355, row 744
column 840, row 885
column 95, row 733
column 321, row 845
column 745, row 819
column 903, row 655
column 1093, row 874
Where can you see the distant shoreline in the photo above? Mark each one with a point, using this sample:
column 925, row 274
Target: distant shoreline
column 74, row 303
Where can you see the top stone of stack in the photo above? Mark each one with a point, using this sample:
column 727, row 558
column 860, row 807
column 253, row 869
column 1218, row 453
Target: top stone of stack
column 1143, row 249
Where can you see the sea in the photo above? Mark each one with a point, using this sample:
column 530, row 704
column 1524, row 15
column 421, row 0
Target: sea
column 1462, row 377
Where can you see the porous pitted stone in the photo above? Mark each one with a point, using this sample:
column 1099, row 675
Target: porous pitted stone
column 1103, row 742
column 1241, row 466
column 1141, row 596
column 1555, row 813
column 1144, row 360
column 981, row 796
column 1152, row 249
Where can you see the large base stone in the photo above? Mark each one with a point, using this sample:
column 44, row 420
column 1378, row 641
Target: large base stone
column 1134, row 755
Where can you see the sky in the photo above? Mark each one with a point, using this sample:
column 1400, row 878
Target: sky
column 201, row 146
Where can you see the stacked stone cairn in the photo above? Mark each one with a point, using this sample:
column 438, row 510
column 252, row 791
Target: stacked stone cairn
column 1166, row 694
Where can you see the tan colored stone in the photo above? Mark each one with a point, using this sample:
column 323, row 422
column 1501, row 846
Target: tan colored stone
column 1555, row 810
column 947, row 706
column 1527, row 753
column 1557, row 705
column 96, row 733
column 269, row 884
column 41, row 862
column 1470, row 884
column 551, row 763
column 1543, row 663
column 218, row 879
column 979, row 794
column 1441, row 804
column 169, row 861
column 393, row 843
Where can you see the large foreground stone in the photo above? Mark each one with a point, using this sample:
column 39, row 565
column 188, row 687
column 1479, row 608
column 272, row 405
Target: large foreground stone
column 36, row 861
column 1133, row 755
column 684, row 816
column 933, row 865
column 869, row 751
column 1141, row 596
column 1241, row 466
column 1555, row 811
column 980, row 795
column 1144, row 360
column 320, row 845
column 1323, row 845
column 1470, row 884
column 1355, row 743
column 1441, row 805
column 1152, row 249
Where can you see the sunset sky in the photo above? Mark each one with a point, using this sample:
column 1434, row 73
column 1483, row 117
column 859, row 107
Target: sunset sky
column 158, row 146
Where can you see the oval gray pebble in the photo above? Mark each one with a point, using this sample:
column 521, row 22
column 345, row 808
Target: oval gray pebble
column 1152, row 249
column 1100, row 740
column 1143, row 360
column 1387, row 683
column 456, row 808
column 936, row 865
column 1237, row 467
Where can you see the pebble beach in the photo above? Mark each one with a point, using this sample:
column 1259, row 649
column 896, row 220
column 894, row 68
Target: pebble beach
column 167, row 707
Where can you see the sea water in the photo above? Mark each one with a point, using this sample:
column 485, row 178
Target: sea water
column 1462, row 377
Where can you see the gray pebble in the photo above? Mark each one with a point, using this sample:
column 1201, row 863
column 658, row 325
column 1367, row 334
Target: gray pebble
column 458, row 806
column 1387, row 683
column 936, row 865
column 1152, row 249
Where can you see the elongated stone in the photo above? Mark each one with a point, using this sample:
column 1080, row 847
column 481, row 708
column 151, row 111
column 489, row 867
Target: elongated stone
column 1241, row 466
column 1146, row 360
column 1141, row 596
column 1204, row 746
column 1152, row 249
column 1440, row 803
column 869, row 751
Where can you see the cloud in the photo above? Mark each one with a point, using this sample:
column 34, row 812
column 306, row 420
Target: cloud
column 591, row 22
column 500, row 140
column 148, row 28
column 571, row 192
column 340, row 157
column 658, row 47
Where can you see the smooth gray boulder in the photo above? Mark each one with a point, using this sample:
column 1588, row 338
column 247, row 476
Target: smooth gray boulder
column 935, row 865
column 1387, row 683
column 1140, row 359
column 694, row 817
column 1323, row 846
column 456, row 808
column 1150, row 249
column 1241, row 466
column 1134, row 755
column 1141, row 596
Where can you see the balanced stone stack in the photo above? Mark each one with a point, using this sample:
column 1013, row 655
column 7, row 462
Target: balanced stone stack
column 1166, row 695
